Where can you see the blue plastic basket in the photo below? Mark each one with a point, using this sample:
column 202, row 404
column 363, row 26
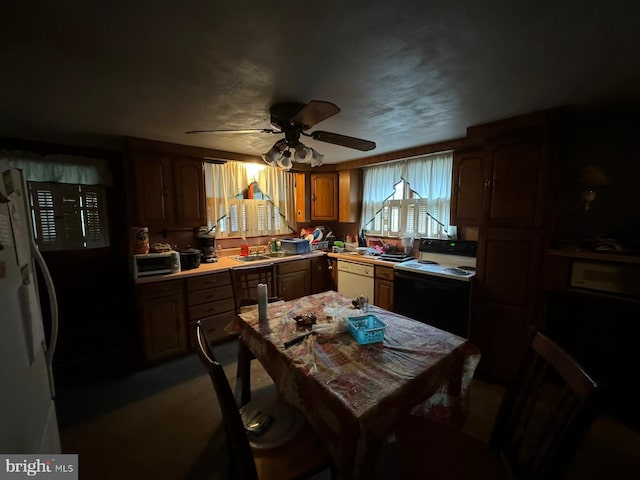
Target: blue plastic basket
column 367, row 329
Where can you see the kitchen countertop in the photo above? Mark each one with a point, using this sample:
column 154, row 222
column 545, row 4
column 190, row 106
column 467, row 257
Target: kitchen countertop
column 223, row 264
column 356, row 257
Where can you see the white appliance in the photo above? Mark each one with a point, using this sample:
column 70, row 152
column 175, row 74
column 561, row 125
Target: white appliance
column 28, row 422
column 355, row 279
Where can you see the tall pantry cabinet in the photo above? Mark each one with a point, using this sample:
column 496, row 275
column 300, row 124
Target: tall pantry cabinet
column 502, row 187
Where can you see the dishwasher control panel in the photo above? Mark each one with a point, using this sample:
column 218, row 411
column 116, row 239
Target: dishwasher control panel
column 363, row 269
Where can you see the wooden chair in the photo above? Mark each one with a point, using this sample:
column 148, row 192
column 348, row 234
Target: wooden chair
column 542, row 420
column 302, row 456
column 244, row 282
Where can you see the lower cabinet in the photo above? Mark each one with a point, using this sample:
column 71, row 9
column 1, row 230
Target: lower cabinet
column 321, row 275
column 293, row 279
column 383, row 287
column 210, row 300
column 162, row 319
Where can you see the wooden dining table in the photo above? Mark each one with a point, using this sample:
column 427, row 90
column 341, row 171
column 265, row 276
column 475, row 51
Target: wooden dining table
column 353, row 394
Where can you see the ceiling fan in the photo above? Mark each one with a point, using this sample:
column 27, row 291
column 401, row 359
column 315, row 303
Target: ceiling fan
column 294, row 119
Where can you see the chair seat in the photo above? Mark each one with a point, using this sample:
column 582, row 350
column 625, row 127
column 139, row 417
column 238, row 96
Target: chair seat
column 286, row 422
column 433, row 450
column 296, row 459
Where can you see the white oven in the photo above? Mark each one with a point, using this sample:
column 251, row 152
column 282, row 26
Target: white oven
column 610, row 277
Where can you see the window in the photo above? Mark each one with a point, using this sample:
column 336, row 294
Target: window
column 410, row 198
column 248, row 200
column 68, row 216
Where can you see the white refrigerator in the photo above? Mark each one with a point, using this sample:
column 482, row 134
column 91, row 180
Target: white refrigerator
column 28, row 422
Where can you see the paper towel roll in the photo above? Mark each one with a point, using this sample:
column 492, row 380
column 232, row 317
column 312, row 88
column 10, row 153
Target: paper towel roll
column 262, row 301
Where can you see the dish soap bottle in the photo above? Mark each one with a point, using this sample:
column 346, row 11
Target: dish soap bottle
column 244, row 248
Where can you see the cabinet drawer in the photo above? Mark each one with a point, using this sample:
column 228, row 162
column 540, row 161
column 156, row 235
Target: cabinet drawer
column 208, row 281
column 159, row 289
column 212, row 308
column 210, row 295
column 293, row 266
column 385, row 273
column 214, row 328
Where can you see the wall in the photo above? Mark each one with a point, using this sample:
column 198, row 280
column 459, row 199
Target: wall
column 603, row 138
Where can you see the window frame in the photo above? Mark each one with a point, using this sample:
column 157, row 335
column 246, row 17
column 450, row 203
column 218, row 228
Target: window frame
column 67, row 216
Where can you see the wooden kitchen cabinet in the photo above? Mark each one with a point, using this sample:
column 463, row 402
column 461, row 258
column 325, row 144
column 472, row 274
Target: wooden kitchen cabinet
column 321, row 275
column 515, row 184
column 324, row 196
column 467, row 188
column 349, row 195
column 169, row 190
column 502, row 184
column 162, row 320
column 507, row 295
column 383, row 287
column 514, row 156
column 293, row 279
column 210, row 300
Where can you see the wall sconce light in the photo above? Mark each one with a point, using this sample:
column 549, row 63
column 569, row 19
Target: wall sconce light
column 591, row 181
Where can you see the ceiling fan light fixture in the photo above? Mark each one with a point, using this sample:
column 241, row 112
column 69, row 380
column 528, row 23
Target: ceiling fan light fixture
column 316, row 160
column 285, row 160
column 302, row 154
column 271, row 157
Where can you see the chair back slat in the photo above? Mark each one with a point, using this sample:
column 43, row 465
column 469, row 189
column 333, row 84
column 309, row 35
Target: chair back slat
column 245, row 280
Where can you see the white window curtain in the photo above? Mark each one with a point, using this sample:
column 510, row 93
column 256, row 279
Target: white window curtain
column 58, row 168
column 234, row 217
column 429, row 177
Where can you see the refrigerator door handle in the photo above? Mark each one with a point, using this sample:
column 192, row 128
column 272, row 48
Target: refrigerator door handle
column 53, row 303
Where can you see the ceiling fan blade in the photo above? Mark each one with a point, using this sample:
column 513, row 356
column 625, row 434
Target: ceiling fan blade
column 343, row 140
column 315, row 112
column 254, row 130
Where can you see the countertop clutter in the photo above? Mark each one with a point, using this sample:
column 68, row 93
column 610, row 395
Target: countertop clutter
column 223, row 263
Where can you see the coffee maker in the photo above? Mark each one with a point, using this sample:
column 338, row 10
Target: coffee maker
column 207, row 240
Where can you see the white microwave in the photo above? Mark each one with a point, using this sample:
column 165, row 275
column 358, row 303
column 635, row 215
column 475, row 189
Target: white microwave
column 155, row 264
column 610, row 277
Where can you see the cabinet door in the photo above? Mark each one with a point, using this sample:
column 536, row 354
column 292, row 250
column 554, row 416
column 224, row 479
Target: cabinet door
column 321, row 278
column 349, row 195
column 163, row 327
column 324, row 196
column 506, row 296
column 293, row 279
column 516, row 180
column 189, row 192
column 383, row 294
column 302, row 202
column 153, row 188
column 467, row 188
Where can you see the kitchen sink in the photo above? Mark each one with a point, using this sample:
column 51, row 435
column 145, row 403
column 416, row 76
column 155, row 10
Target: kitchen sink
column 278, row 254
column 251, row 258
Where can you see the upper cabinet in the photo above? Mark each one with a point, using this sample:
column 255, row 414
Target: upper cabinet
column 502, row 184
column 350, row 195
column 515, row 183
column 324, row 196
column 329, row 196
column 467, row 188
column 169, row 190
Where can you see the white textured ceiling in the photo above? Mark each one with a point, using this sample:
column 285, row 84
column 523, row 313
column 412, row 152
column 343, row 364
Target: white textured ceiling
column 403, row 73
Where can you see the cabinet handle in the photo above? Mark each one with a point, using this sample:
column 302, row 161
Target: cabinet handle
column 488, row 183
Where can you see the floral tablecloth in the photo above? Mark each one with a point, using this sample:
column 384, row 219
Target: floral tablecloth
column 354, row 393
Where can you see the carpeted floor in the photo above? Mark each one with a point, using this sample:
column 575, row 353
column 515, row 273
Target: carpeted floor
column 164, row 423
